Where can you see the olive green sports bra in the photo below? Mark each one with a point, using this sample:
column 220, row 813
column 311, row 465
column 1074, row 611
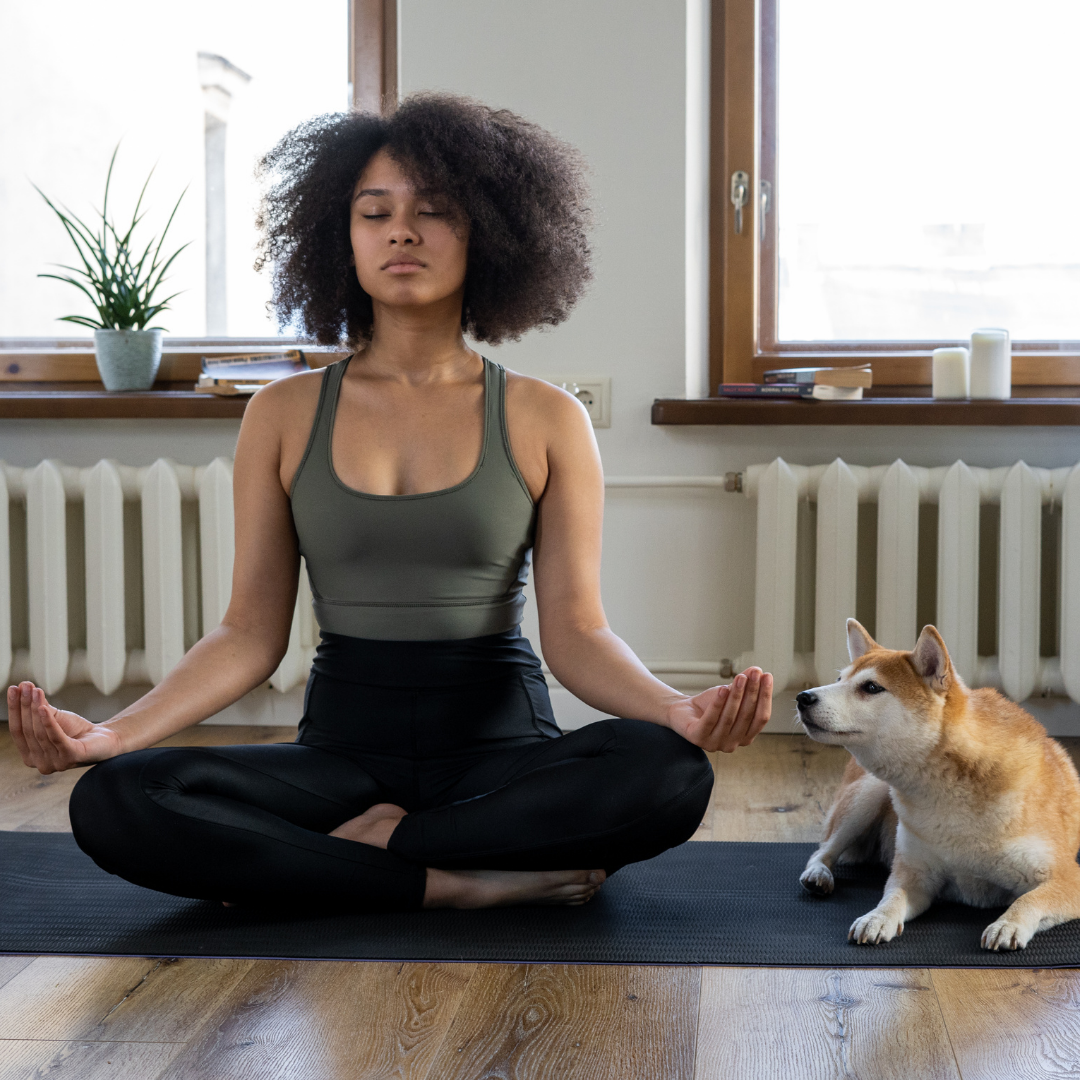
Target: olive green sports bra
column 436, row 566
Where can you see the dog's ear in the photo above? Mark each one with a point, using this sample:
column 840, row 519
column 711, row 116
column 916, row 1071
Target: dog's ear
column 931, row 660
column 859, row 641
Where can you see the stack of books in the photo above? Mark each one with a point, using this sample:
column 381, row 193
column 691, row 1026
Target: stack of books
column 228, row 376
column 822, row 383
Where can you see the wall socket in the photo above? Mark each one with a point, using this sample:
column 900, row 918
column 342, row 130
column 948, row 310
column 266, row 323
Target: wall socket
column 593, row 391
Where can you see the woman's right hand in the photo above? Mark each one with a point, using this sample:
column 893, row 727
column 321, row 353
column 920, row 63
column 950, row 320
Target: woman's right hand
column 51, row 740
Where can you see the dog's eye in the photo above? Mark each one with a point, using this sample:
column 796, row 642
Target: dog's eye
column 872, row 688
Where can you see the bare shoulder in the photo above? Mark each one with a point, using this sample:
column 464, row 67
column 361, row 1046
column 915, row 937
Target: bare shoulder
column 535, row 401
column 277, row 423
column 550, row 432
column 285, row 401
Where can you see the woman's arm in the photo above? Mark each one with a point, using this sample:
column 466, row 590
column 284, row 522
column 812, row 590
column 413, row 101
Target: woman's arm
column 578, row 645
column 234, row 658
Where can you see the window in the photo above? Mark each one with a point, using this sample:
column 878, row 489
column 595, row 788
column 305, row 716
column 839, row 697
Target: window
column 197, row 94
column 908, row 169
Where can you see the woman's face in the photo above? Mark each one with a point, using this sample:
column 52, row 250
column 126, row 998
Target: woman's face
column 409, row 247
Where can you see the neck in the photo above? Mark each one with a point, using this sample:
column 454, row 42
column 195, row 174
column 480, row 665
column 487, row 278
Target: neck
column 902, row 775
column 418, row 344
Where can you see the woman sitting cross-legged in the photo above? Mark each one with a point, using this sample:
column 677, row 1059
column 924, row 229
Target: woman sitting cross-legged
column 416, row 478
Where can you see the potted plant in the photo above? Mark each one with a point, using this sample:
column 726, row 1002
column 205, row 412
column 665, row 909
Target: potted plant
column 122, row 285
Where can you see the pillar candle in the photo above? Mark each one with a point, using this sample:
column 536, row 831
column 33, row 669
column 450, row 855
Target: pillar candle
column 991, row 364
column 951, row 373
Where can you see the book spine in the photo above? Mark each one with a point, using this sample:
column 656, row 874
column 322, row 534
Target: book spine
column 771, row 378
column 750, row 390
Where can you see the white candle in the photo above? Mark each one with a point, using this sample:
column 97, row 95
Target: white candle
column 991, row 364
column 951, row 373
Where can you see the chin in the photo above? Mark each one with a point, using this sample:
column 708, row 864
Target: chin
column 819, row 733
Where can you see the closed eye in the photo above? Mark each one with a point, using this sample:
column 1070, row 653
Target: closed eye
column 872, row 687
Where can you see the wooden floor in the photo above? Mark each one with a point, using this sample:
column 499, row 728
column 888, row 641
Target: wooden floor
column 124, row 1019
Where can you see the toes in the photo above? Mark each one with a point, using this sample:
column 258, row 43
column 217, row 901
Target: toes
column 874, row 929
column 1004, row 935
column 817, row 880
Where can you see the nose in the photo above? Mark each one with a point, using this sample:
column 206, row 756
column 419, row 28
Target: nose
column 806, row 699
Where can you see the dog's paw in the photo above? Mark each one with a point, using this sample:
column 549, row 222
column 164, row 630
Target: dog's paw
column 817, row 879
column 875, row 927
column 1005, row 934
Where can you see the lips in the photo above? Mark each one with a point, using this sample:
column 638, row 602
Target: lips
column 403, row 264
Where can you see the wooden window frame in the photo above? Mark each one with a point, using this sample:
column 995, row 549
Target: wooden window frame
column 743, row 269
column 373, row 73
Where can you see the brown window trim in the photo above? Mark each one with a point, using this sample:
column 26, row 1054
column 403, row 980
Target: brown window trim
column 373, row 72
column 373, row 66
column 743, row 271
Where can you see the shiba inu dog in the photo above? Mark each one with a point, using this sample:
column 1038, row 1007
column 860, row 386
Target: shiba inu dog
column 960, row 791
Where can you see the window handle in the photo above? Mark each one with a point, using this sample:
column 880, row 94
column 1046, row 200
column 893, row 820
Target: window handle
column 766, row 204
column 740, row 192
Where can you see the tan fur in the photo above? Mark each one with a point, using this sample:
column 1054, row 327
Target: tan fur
column 961, row 792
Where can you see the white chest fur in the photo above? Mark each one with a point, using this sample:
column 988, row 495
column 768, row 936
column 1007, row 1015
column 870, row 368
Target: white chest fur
column 973, row 855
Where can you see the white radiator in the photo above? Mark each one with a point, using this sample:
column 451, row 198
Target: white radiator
column 959, row 491
column 78, row 556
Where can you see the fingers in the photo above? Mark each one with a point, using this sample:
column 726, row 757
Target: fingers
column 33, row 753
column 747, row 711
column 37, row 735
column 57, row 747
column 15, row 723
column 764, row 708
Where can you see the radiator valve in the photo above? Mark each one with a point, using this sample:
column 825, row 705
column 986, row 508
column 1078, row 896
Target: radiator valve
column 733, row 481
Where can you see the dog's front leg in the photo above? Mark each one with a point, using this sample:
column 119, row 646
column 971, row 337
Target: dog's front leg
column 858, row 809
column 1054, row 901
column 908, row 893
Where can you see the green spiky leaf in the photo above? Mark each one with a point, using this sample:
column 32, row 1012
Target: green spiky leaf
column 121, row 283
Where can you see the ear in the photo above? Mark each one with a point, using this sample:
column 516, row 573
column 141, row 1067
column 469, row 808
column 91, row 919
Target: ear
column 931, row 660
column 858, row 640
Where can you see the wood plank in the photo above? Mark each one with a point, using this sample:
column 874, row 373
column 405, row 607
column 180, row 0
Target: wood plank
column 763, row 1023
column 115, row 999
column 778, row 788
column 289, row 1020
column 1012, row 1023
column 54, row 404
column 10, row 966
column 918, row 411
column 32, row 1059
column 527, row 1021
column 25, row 793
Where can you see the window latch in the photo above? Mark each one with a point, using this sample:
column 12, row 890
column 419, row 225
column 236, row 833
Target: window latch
column 740, row 192
column 766, row 204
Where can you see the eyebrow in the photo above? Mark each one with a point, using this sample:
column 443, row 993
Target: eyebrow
column 422, row 193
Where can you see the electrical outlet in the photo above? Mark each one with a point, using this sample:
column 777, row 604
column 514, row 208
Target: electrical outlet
column 593, row 391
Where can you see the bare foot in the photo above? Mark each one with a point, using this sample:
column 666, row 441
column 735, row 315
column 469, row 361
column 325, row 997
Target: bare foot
column 373, row 826
column 500, row 888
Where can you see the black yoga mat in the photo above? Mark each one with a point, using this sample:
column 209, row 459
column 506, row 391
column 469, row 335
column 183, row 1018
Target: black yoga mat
column 701, row 903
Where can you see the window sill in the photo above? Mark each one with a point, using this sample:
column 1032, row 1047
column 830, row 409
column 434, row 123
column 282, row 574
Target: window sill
column 1029, row 407
column 63, row 384
column 87, row 401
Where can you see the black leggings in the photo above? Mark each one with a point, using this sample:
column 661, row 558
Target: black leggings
column 469, row 749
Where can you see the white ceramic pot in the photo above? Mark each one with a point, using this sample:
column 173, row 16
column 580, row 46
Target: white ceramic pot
column 128, row 359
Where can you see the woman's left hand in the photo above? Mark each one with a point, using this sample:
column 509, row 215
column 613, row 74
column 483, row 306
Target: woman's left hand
column 725, row 717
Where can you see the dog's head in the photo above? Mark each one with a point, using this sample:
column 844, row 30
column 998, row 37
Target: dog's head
column 885, row 701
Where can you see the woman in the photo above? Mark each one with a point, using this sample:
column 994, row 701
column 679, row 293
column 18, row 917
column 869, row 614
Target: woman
column 415, row 477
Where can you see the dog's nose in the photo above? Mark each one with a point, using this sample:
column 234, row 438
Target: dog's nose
column 805, row 699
